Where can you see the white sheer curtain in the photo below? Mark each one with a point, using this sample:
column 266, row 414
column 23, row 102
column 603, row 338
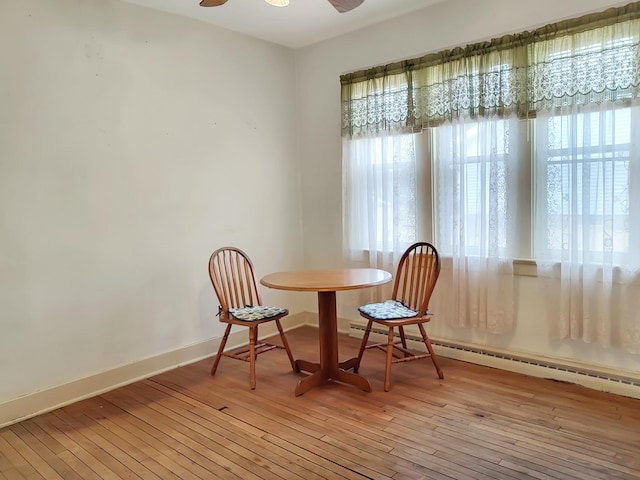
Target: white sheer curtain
column 477, row 204
column 379, row 198
column 578, row 78
column 588, row 221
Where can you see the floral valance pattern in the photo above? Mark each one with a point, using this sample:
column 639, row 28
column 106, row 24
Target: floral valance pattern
column 590, row 67
column 379, row 104
column 590, row 59
column 478, row 86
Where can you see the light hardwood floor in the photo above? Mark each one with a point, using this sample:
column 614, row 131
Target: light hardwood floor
column 476, row 423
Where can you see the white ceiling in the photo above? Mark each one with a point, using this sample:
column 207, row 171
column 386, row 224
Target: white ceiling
column 302, row 23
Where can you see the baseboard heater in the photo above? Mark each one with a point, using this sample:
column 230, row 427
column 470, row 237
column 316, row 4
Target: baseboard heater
column 599, row 379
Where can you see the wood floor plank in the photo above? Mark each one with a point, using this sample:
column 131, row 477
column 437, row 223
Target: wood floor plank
column 43, row 437
column 127, row 455
column 78, row 466
column 167, row 452
column 184, row 466
column 477, row 423
column 205, row 462
column 225, row 449
column 218, row 423
column 16, row 460
column 324, row 464
column 175, row 409
column 41, row 458
column 336, row 455
column 12, row 474
column 5, row 463
column 81, row 445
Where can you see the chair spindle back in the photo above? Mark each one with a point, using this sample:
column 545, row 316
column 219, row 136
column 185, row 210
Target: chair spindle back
column 233, row 278
column 416, row 276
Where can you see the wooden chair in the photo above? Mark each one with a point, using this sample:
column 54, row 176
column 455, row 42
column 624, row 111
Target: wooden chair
column 415, row 280
column 234, row 282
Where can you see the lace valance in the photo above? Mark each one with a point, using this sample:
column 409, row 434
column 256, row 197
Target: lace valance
column 591, row 59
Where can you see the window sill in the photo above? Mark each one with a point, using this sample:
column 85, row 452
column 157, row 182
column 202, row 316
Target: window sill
column 521, row 267
column 525, row 268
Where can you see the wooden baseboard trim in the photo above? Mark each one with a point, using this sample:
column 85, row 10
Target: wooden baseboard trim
column 37, row 403
column 591, row 376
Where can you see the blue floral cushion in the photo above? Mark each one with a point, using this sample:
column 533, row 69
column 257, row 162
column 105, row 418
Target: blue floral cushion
column 387, row 310
column 251, row 314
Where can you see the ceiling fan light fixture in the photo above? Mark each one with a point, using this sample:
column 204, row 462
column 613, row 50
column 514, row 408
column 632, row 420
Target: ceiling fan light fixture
column 278, row 3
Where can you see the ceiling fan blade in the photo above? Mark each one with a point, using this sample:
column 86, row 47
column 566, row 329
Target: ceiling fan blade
column 212, row 3
column 345, row 5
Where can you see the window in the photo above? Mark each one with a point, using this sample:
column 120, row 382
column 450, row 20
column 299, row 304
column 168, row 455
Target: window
column 476, row 187
column 380, row 193
column 595, row 177
column 569, row 199
column 572, row 88
column 585, row 166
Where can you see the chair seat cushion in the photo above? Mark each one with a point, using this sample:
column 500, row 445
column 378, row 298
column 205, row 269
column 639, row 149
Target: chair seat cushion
column 387, row 310
column 252, row 314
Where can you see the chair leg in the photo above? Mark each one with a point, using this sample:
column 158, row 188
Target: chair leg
column 403, row 339
column 387, row 370
column 365, row 339
column 286, row 345
column 253, row 335
column 434, row 358
column 223, row 342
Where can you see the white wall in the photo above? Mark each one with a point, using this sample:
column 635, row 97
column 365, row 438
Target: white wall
column 132, row 144
column 442, row 26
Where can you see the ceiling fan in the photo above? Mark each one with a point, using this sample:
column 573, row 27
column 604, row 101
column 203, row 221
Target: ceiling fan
column 341, row 6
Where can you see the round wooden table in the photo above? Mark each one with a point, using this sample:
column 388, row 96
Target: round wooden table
column 327, row 283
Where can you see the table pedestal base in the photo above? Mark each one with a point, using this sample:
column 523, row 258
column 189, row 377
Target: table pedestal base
column 328, row 369
column 319, row 377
